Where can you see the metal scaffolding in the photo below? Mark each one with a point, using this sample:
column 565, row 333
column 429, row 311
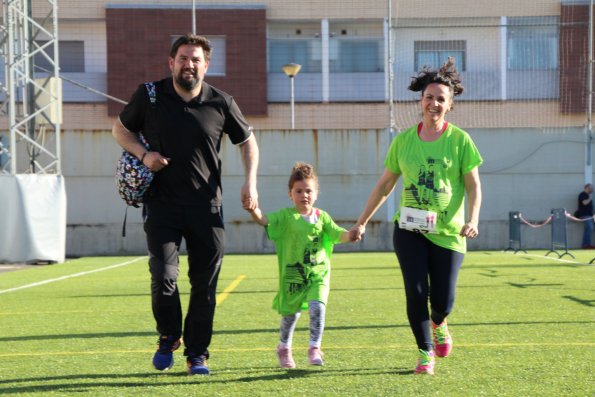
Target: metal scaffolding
column 31, row 97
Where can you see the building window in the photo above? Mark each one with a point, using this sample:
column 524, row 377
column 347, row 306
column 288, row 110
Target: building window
column 356, row 55
column 305, row 52
column 71, row 56
column 217, row 64
column 435, row 53
column 532, row 43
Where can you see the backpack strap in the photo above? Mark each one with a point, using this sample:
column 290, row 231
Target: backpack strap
column 150, row 86
column 124, row 223
column 152, row 92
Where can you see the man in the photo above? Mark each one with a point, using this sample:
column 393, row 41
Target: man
column 585, row 212
column 184, row 123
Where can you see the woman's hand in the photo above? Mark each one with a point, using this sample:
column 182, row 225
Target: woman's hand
column 356, row 232
column 470, row 230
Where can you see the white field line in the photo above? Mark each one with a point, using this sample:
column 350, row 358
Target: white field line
column 549, row 257
column 220, row 298
column 53, row 280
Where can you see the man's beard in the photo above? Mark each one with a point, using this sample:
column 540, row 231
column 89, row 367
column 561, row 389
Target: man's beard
column 187, row 85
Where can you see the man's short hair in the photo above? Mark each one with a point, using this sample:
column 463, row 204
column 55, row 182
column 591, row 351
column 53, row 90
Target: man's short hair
column 192, row 39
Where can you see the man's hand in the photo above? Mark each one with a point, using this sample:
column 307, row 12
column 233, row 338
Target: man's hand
column 249, row 197
column 155, row 161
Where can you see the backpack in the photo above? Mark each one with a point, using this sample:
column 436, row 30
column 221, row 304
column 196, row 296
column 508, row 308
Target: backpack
column 133, row 178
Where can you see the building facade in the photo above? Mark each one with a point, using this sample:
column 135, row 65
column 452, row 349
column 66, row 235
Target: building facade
column 524, row 66
column 524, row 52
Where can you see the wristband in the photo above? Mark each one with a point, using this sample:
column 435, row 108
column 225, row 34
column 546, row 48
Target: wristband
column 142, row 158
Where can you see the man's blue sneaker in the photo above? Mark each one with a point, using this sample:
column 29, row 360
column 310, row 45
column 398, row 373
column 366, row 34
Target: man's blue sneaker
column 164, row 356
column 197, row 365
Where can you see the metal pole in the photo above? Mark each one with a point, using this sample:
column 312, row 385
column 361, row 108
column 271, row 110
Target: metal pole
column 589, row 148
column 58, row 88
column 12, row 84
column 193, row 16
column 391, row 117
column 30, row 105
column 292, row 105
column 390, row 205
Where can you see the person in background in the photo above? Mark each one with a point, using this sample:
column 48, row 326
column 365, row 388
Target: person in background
column 304, row 237
column 185, row 127
column 585, row 212
column 438, row 163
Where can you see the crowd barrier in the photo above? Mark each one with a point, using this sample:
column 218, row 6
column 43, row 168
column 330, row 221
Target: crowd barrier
column 559, row 236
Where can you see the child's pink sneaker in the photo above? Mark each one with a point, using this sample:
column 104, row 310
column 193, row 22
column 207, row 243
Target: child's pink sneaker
column 442, row 339
column 315, row 356
column 285, row 357
column 425, row 363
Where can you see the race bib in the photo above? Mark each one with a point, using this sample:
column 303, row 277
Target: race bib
column 416, row 220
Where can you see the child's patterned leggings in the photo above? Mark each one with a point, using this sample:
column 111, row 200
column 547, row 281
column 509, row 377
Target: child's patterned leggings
column 317, row 312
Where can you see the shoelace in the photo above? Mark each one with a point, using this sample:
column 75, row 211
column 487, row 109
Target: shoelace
column 441, row 333
column 197, row 361
column 424, row 358
column 284, row 353
column 165, row 345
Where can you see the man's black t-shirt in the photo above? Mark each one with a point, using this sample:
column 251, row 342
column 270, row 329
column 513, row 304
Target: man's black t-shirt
column 190, row 134
column 584, row 210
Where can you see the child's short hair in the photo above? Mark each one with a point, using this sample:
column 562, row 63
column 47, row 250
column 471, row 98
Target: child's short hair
column 301, row 171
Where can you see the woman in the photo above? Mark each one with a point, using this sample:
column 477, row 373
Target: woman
column 438, row 163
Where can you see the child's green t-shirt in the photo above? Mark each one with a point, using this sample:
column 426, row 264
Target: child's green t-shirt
column 432, row 178
column 303, row 251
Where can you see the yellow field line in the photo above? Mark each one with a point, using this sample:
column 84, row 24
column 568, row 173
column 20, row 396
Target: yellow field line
column 220, row 298
column 254, row 349
column 223, row 295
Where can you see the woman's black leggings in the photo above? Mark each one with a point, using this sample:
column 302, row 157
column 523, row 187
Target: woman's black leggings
column 427, row 270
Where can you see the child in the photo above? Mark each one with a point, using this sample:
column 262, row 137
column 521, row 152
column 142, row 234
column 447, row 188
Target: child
column 304, row 237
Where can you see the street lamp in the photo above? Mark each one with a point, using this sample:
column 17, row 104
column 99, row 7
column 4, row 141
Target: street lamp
column 291, row 70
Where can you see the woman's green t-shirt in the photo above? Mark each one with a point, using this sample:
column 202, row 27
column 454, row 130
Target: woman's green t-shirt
column 432, row 177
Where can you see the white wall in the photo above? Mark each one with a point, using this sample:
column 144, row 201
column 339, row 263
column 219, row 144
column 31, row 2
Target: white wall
column 526, row 170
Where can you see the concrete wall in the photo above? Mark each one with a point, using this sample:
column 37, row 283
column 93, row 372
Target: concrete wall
column 526, row 170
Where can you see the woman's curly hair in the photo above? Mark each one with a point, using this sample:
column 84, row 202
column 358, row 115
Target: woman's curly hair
column 300, row 172
column 447, row 75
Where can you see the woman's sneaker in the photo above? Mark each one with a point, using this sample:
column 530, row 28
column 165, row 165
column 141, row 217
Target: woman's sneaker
column 164, row 356
column 425, row 363
column 285, row 357
column 442, row 339
column 315, row 356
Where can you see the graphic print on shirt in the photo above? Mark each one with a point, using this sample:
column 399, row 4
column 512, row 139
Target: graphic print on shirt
column 429, row 192
column 297, row 275
column 295, row 278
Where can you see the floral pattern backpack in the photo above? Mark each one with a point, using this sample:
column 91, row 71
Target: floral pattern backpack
column 133, row 178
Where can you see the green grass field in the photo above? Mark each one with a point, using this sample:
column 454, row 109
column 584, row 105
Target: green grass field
column 523, row 325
